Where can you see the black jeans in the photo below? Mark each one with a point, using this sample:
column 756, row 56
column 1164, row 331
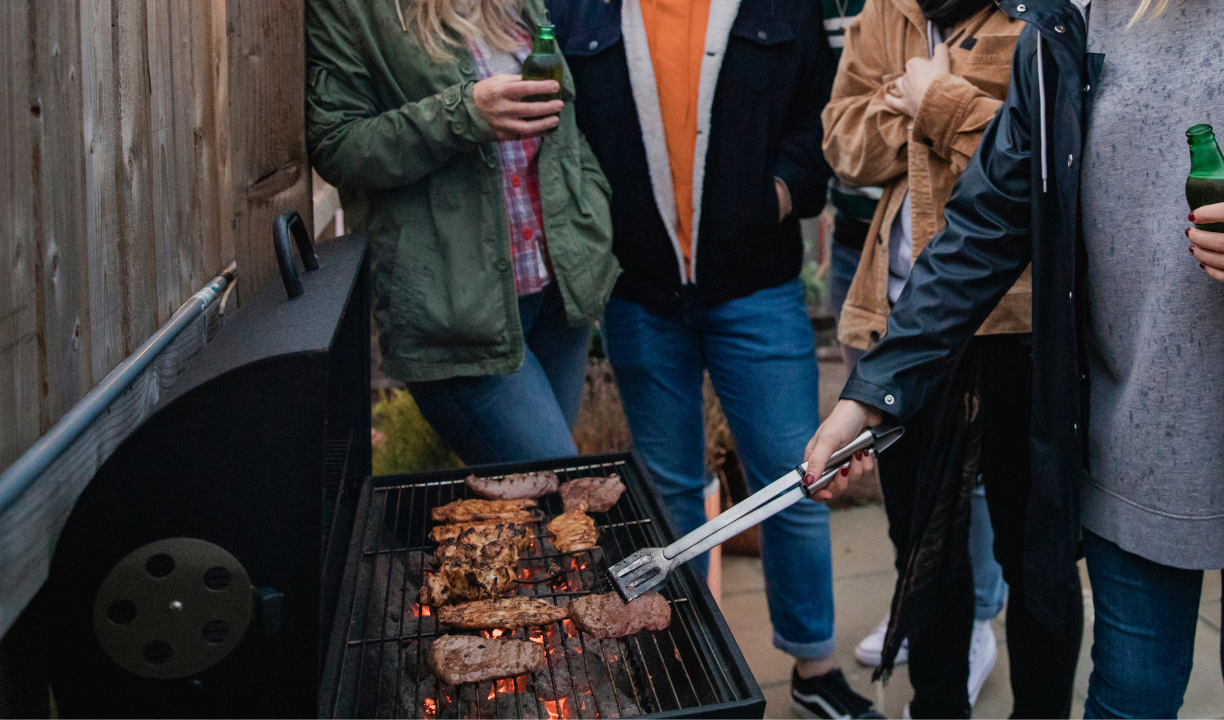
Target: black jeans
column 1042, row 664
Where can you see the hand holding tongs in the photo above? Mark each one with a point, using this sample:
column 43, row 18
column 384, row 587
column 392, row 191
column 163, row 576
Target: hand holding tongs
column 648, row 568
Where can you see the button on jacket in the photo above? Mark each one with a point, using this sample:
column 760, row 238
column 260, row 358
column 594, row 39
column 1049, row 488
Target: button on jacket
column 765, row 76
column 1000, row 219
column 417, row 169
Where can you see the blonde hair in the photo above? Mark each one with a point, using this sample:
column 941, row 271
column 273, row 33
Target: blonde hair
column 1155, row 6
column 445, row 25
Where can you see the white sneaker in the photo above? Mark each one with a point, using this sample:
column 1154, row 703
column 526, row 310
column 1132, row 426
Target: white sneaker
column 983, row 650
column 870, row 650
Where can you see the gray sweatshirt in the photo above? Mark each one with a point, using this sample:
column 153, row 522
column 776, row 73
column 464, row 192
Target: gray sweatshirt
column 1156, row 348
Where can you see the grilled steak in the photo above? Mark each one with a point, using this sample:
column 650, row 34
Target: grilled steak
column 599, row 493
column 456, row 582
column 507, row 613
column 459, row 659
column 606, row 616
column 466, row 511
column 516, row 533
column 517, row 485
column 574, row 530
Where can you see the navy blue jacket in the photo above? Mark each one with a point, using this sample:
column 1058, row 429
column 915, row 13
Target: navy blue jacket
column 999, row 219
column 775, row 80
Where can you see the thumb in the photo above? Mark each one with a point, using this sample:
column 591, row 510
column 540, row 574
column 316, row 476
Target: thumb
column 941, row 55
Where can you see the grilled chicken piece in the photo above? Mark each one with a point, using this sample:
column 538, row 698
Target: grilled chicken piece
column 607, row 616
column 492, row 553
column 457, row 582
column 599, row 493
column 517, row 485
column 467, row 511
column 514, row 533
column 574, row 530
column 507, row 614
column 459, row 659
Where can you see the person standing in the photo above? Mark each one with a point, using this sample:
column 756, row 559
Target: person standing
column 490, row 234
column 1083, row 174
column 705, row 115
column 855, row 209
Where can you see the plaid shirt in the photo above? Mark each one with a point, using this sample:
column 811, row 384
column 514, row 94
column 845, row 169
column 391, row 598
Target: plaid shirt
column 520, row 164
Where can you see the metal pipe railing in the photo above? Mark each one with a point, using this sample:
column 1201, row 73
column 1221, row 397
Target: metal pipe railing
column 23, row 473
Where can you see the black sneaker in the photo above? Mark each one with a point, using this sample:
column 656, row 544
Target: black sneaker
column 828, row 696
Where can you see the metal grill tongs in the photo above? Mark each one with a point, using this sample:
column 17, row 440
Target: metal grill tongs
column 650, row 567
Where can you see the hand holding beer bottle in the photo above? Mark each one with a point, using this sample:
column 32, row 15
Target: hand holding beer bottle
column 504, row 101
column 544, row 63
column 1205, row 193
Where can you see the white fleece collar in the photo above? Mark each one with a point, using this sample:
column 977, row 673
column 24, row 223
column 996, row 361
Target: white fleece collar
column 650, row 116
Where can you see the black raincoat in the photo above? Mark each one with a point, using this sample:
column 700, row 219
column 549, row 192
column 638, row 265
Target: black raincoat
column 1018, row 202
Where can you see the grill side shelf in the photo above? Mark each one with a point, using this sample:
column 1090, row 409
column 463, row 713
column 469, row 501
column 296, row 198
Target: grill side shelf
column 329, row 686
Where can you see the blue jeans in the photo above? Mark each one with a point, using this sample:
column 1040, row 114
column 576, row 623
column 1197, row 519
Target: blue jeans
column 761, row 355
column 1143, row 647
column 989, row 589
column 526, row 415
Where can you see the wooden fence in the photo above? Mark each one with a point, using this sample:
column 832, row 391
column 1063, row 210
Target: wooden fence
column 144, row 144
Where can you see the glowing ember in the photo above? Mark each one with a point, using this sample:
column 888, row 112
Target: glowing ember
column 557, row 709
column 497, row 633
column 416, row 609
column 539, row 640
column 492, row 694
column 570, row 630
column 425, row 611
column 507, row 685
column 524, row 574
column 431, row 708
column 574, row 564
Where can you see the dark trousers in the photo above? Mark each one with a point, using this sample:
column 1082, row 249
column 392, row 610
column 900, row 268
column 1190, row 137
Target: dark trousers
column 1042, row 664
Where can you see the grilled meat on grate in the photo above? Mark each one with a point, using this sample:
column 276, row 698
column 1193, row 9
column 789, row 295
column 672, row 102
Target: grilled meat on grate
column 517, row 533
column 492, row 553
column 459, row 659
column 574, row 530
column 467, row 511
column 507, row 613
column 516, row 485
column 456, row 582
column 607, row 616
column 599, row 493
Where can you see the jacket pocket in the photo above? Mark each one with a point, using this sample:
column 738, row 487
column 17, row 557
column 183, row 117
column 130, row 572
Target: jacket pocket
column 759, row 52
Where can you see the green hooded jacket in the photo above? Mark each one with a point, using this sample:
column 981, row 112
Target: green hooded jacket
column 417, row 169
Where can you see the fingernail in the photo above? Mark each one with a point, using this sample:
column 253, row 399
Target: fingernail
column 1191, row 216
column 1202, row 266
column 1187, row 232
column 1191, row 249
column 809, row 479
column 845, row 470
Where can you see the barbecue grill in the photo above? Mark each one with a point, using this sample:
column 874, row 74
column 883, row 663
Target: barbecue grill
column 377, row 663
column 233, row 556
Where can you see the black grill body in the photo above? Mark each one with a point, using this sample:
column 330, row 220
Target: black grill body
column 377, row 663
column 249, row 451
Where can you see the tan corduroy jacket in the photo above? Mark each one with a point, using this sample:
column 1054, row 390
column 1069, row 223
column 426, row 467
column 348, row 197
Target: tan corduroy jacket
column 867, row 144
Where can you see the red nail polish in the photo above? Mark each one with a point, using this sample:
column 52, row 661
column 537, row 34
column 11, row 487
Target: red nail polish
column 1187, row 232
column 1191, row 218
column 809, row 479
column 845, row 470
column 1191, row 249
column 1202, row 266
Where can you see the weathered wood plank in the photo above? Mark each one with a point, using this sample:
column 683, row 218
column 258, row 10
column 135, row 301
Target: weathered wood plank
column 186, row 135
column 137, row 246
column 219, row 57
column 19, row 364
column 269, row 168
column 165, row 161
column 100, row 137
column 62, row 272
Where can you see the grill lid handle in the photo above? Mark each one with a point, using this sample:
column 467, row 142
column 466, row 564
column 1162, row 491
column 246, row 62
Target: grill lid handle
column 290, row 222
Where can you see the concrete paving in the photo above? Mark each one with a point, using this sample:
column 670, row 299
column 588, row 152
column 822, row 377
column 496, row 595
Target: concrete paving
column 863, row 579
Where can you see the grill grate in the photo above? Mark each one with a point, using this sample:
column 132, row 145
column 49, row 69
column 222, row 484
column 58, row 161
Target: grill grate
column 382, row 670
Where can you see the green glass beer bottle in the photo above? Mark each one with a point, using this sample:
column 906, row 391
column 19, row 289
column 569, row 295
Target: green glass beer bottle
column 544, row 63
column 1206, row 182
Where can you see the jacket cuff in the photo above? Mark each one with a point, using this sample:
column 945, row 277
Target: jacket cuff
column 885, row 399
column 806, row 200
column 942, row 112
column 463, row 117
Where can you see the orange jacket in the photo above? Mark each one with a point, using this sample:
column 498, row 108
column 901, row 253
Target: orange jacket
column 866, row 143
